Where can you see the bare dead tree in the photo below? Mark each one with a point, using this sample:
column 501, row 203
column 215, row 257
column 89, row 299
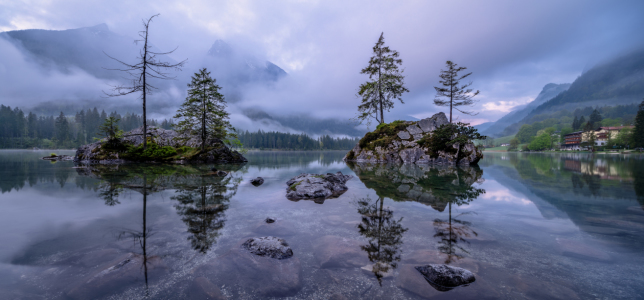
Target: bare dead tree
column 457, row 94
column 147, row 65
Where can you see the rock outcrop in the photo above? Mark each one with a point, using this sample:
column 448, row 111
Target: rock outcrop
column 217, row 151
column 399, row 142
column 268, row 246
column 445, row 277
column 317, row 186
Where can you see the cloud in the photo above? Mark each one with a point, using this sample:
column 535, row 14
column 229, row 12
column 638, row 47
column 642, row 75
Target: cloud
column 512, row 48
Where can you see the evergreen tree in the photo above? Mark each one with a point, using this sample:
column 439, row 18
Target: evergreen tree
column 386, row 83
column 203, row 112
column 595, row 118
column 62, row 129
column 110, row 130
column 581, row 123
column 637, row 136
column 575, row 123
column 452, row 89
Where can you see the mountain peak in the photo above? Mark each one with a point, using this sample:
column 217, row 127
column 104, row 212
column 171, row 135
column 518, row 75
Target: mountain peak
column 220, row 49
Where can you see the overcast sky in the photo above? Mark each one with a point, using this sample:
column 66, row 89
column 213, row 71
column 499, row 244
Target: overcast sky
column 513, row 48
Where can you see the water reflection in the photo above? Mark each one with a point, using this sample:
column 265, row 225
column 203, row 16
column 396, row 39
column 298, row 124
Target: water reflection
column 384, row 233
column 202, row 197
column 440, row 187
column 201, row 204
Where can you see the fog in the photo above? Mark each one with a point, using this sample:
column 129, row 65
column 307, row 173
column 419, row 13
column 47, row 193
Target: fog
column 512, row 48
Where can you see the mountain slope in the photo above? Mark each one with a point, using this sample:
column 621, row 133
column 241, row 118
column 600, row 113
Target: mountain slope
column 548, row 92
column 619, row 81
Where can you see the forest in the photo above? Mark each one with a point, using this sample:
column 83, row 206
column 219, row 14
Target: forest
column 19, row 130
column 292, row 141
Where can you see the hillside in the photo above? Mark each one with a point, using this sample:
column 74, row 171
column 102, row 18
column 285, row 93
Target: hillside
column 548, row 92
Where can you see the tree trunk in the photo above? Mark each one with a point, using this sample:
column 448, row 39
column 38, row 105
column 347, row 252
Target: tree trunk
column 145, row 64
column 203, row 118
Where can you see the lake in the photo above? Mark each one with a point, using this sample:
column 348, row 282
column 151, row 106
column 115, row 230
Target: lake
column 529, row 226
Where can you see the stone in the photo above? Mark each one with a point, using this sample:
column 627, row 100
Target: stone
column 257, row 181
column 410, row 280
column 218, row 152
column 317, row 186
column 424, row 257
column 404, row 135
column 277, row 228
column 444, row 277
column 269, row 246
column 202, row 288
column 270, row 220
column 58, row 157
column 401, row 148
column 582, row 250
column 336, row 252
column 263, row 276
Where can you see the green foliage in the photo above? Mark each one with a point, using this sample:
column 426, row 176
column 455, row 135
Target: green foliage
column 293, row 186
column 383, row 135
column 351, row 155
column 526, row 133
column 110, row 130
column 455, row 93
column 151, row 153
column 541, row 142
column 386, row 83
column 445, row 136
column 203, row 113
column 638, row 132
column 514, row 144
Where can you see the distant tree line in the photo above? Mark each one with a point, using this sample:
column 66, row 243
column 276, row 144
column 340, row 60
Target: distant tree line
column 20, row 130
column 290, row 141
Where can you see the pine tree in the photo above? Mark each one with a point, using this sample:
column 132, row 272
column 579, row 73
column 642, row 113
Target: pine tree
column 575, row 123
column 62, row 129
column 638, row 132
column 110, row 130
column 203, row 112
column 595, row 118
column 458, row 95
column 386, row 83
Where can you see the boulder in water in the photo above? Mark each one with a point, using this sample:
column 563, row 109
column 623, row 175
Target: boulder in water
column 268, row 246
column 317, row 186
column 444, row 277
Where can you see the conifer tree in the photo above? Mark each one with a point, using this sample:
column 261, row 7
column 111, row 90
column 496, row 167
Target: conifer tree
column 62, row 129
column 110, row 130
column 575, row 123
column 386, row 83
column 203, row 112
column 456, row 94
column 595, row 118
column 638, row 132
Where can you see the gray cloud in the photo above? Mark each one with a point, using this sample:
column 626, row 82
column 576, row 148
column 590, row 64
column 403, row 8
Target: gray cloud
column 513, row 48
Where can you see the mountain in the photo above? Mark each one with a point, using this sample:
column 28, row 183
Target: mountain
column 483, row 126
column 82, row 48
column 548, row 92
column 237, row 67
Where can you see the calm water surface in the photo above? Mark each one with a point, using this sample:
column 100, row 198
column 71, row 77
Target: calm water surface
column 529, row 226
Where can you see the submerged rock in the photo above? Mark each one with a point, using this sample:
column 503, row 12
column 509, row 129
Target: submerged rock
column 58, row 157
column 317, row 186
column 337, row 252
column 245, row 273
column 398, row 142
column 257, row 181
column 270, row 220
column 444, row 277
column 269, row 246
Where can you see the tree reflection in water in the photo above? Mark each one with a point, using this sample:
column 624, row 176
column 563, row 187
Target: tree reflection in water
column 384, row 234
column 202, row 200
column 202, row 204
column 440, row 187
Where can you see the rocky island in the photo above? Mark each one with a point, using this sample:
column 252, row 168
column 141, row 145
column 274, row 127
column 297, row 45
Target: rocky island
column 163, row 146
column 428, row 141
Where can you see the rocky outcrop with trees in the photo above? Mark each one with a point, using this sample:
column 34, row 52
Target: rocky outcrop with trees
column 429, row 141
column 163, row 146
